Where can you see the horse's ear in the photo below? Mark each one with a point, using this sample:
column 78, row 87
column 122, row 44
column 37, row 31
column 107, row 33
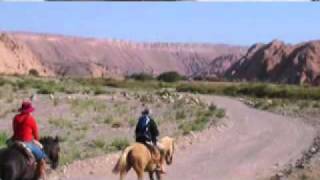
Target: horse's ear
column 57, row 139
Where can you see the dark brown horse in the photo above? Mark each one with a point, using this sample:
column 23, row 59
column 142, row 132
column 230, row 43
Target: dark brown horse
column 14, row 165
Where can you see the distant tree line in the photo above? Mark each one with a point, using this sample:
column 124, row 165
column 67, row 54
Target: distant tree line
column 170, row 76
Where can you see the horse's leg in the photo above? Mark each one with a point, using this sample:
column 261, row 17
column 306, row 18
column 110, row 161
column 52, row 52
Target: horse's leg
column 159, row 176
column 139, row 170
column 8, row 173
column 139, row 167
column 7, row 176
column 124, row 172
column 122, row 175
column 151, row 175
column 140, row 175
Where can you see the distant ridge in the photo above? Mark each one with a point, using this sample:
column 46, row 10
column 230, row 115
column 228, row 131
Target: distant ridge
column 74, row 56
column 60, row 55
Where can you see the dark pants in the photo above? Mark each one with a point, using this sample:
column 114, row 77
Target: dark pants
column 151, row 146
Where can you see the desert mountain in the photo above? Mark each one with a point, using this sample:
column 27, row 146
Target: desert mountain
column 57, row 55
column 279, row 62
column 74, row 56
column 15, row 58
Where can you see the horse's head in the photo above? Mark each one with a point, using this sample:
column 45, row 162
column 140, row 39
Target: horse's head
column 52, row 149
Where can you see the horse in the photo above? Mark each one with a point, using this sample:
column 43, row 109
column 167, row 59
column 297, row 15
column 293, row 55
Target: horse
column 139, row 157
column 14, row 164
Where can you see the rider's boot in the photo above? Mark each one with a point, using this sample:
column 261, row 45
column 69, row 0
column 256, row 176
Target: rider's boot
column 41, row 169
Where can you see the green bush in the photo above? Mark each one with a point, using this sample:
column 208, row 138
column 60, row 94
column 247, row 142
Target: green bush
column 181, row 114
column 204, row 118
column 33, row 72
column 198, row 125
column 45, row 90
column 3, row 139
column 99, row 143
column 213, row 107
column 4, row 81
column 43, row 86
column 220, row 113
column 99, row 90
column 119, row 144
column 170, row 76
column 141, row 77
column 108, row 120
column 186, row 128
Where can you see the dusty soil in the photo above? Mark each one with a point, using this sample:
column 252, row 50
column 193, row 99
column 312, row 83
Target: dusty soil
column 307, row 167
column 253, row 144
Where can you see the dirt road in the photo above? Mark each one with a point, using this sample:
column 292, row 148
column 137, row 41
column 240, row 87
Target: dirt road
column 252, row 146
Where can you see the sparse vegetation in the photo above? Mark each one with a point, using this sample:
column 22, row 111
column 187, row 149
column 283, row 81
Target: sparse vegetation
column 70, row 155
column 204, row 119
column 181, row 114
column 258, row 90
column 108, row 120
column 132, row 122
column 116, row 123
column 220, row 113
column 119, row 144
column 116, row 144
column 94, row 125
column 98, row 86
column 55, row 101
column 60, row 122
column 99, row 143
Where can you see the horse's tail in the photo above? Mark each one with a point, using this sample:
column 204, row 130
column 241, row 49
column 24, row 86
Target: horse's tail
column 122, row 161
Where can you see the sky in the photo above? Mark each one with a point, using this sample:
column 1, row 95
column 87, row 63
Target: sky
column 228, row 22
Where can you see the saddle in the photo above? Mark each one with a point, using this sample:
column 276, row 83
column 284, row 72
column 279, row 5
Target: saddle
column 156, row 153
column 21, row 147
column 154, row 150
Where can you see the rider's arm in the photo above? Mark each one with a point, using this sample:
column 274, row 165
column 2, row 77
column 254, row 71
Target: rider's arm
column 34, row 126
column 154, row 128
column 137, row 128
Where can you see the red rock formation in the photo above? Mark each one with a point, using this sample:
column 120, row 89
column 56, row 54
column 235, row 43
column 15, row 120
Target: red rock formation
column 279, row 62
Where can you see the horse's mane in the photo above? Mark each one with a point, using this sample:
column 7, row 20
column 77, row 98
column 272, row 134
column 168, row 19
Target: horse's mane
column 49, row 139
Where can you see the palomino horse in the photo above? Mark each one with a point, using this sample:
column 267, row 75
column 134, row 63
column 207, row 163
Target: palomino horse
column 139, row 157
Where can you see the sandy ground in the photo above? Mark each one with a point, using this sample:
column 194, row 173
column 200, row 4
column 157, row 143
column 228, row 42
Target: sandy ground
column 251, row 146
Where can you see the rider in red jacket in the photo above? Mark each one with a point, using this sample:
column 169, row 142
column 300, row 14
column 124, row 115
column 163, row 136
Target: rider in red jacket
column 25, row 129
